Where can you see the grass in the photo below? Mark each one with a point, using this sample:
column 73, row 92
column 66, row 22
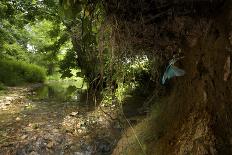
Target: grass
column 13, row 72
column 141, row 138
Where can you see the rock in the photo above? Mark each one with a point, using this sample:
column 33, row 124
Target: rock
column 112, row 106
column 80, row 131
column 7, row 103
column 74, row 113
column 79, row 153
column 9, row 98
column 35, row 126
column 28, row 129
column 28, row 105
column 4, row 108
column 23, row 136
column 40, row 143
column 55, row 130
column 103, row 146
column 18, row 119
column 33, row 153
column 50, row 145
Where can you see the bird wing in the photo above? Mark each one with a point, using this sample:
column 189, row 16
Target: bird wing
column 166, row 75
column 172, row 71
column 164, row 78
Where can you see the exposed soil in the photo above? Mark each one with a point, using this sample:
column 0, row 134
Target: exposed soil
column 34, row 126
column 196, row 116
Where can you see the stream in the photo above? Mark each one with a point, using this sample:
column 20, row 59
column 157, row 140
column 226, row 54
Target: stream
column 54, row 118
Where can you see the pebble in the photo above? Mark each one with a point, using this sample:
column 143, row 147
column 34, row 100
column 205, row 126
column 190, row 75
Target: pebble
column 18, row 119
column 50, row 145
column 33, row 153
column 23, row 136
column 79, row 153
column 82, row 153
column 48, row 137
column 7, row 103
column 74, row 113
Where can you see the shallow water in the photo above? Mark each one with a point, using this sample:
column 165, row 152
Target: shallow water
column 59, row 91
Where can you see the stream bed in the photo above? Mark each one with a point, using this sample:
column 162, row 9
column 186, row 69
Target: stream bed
column 54, row 119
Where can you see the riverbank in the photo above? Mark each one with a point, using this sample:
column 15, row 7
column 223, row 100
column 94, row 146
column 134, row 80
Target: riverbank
column 31, row 125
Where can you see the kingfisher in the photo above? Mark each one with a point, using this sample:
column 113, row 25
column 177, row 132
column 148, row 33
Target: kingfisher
column 172, row 71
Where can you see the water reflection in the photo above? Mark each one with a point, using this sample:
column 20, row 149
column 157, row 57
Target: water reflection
column 58, row 91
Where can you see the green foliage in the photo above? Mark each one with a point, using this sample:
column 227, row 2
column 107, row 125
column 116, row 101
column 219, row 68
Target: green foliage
column 14, row 51
column 68, row 63
column 46, row 35
column 39, row 34
column 84, row 19
column 15, row 14
column 2, row 86
column 47, row 41
column 31, row 31
column 14, row 72
column 70, row 8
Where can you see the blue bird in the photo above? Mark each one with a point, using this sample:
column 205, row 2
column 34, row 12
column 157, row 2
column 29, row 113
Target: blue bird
column 172, row 71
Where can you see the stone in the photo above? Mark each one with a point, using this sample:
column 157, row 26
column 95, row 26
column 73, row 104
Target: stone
column 74, row 113
column 7, row 103
column 79, row 153
column 18, row 119
column 50, row 145
column 33, row 153
column 23, row 136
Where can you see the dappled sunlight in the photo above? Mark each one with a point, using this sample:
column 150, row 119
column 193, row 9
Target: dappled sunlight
column 101, row 77
column 48, row 125
column 15, row 101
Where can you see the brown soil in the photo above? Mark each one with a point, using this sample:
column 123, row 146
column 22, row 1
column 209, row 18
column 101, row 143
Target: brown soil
column 30, row 126
column 196, row 116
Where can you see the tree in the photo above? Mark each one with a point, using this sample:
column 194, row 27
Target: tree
column 83, row 20
column 32, row 31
